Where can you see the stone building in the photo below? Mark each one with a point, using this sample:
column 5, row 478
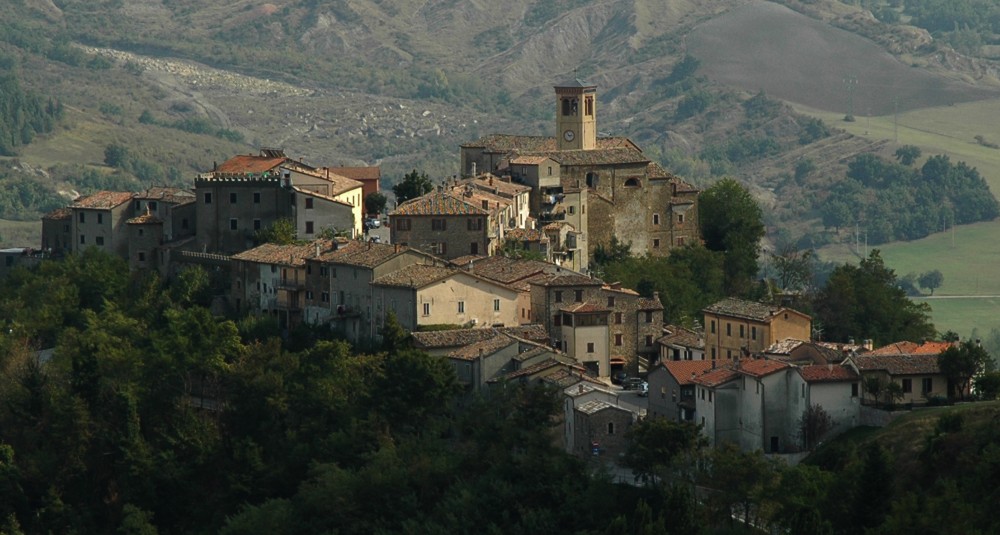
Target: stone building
column 57, row 231
column 735, row 327
column 448, row 225
column 629, row 196
column 99, row 221
column 600, row 427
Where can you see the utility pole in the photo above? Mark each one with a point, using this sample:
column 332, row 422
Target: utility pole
column 850, row 83
column 895, row 119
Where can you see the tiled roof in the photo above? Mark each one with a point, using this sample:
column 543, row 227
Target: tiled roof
column 525, row 234
column 650, row 303
column 248, row 163
column 361, row 253
column 415, row 276
column 438, row 203
column 585, row 308
column 144, row 219
column 599, row 156
column 739, row 308
column 576, row 384
column 358, row 173
column 715, row 377
column 596, row 405
column 463, row 261
column 506, row 143
column 899, row 364
column 59, row 214
column 533, row 352
column 912, row 348
column 528, row 160
column 575, row 83
column 484, row 347
column 534, row 332
column 784, row 347
column 568, row 279
column 170, row 195
column 686, row 371
column 534, row 368
column 760, row 367
column 461, row 337
column 819, row 373
column 683, row 337
column 505, row 270
column 282, row 255
column 489, row 181
column 327, row 198
column 103, row 200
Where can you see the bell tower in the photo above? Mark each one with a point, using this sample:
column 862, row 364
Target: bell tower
column 576, row 116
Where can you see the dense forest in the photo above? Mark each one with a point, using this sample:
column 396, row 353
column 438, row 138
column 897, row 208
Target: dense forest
column 23, row 114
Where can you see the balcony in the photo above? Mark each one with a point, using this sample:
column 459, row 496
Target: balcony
column 291, row 284
column 288, row 300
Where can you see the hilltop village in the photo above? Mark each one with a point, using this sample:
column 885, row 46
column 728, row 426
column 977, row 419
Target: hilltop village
column 746, row 375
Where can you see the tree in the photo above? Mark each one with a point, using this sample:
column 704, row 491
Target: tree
column 908, row 154
column 413, row 185
column 281, row 232
column 960, row 364
column 874, row 387
column 814, row 424
column 374, row 203
column 893, row 393
column 116, row 155
column 654, row 443
column 931, row 280
column 988, row 385
column 731, row 222
column 793, row 267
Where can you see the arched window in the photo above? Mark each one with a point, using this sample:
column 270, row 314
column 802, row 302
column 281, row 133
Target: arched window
column 632, row 183
column 592, row 180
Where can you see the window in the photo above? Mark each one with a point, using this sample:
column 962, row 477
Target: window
column 558, row 296
column 438, row 224
column 403, row 224
column 309, row 294
column 496, row 305
column 100, row 218
column 649, row 340
column 324, row 297
column 184, row 223
column 461, row 307
column 618, row 339
column 742, row 333
column 589, row 106
column 590, row 347
column 611, row 428
column 83, row 239
column 656, row 219
column 611, row 301
column 803, row 390
column 680, row 218
column 729, row 329
column 474, row 248
column 232, row 224
column 427, row 309
column 439, row 248
column 926, row 385
column 322, row 271
column 907, row 386
column 474, row 223
column 854, row 390
column 753, row 333
column 649, row 317
column 141, row 231
column 309, row 227
column 709, row 396
column 208, row 198
column 702, row 393
column 656, row 243
column 309, row 203
column 572, row 210
column 550, row 170
column 232, row 198
column 256, row 197
column 256, row 224
column 729, row 354
column 713, row 326
column 680, row 241
column 577, row 295
column 100, row 240
column 632, row 183
column 142, row 256
column 83, row 217
column 713, row 353
column 618, row 318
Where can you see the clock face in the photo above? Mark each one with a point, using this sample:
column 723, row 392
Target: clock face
column 568, row 135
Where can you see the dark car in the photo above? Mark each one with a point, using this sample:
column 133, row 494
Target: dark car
column 618, row 376
column 632, row 383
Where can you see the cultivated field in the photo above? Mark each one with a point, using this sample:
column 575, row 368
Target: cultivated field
column 766, row 46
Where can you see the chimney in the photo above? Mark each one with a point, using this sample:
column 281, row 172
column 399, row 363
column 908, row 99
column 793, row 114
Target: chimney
column 473, row 168
column 317, row 248
column 850, row 341
column 215, row 166
column 580, row 388
column 396, row 247
column 491, row 180
column 868, row 344
column 656, row 296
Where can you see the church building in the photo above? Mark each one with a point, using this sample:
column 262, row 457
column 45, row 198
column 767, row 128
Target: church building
column 625, row 194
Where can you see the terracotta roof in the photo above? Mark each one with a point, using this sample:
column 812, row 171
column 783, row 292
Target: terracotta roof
column 585, row 308
column 599, row 156
column 59, row 214
column 819, row 373
column 484, row 347
column 170, row 195
column 504, row 270
column 534, row 351
column 650, row 303
column 899, row 364
column 415, row 276
column 144, row 219
column 103, row 200
column 529, row 160
column 685, row 371
column 568, row 279
column 462, row 337
column 438, row 203
column 360, row 253
column 576, row 384
column 534, row 332
column 760, row 367
column 489, row 181
column 478, row 196
column 358, row 173
column 321, row 196
column 784, row 347
column 752, row 310
column 535, row 368
column 683, row 337
column 525, row 234
column 506, row 143
column 248, row 163
column 912, row 348
column 463, row 261
column 282, row 255
column 715, row 377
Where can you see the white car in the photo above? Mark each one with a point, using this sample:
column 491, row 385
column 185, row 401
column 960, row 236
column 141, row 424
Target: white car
column 644, row 389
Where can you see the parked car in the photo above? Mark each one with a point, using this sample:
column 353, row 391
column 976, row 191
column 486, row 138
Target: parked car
column 644, row 389
column 618, row 376
column 632, row 383
column 373, row 222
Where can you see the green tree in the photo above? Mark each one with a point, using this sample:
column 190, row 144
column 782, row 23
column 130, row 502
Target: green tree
column 908, row 154
column 793, row 268
column 116, row 156
column 374, row 203
column 413, row 185
column 874, row 387
column 732, row 223
column 893, row 393
column 814, row 424
column 988, row 385
column 931, row 280
column 281, row 232
column 960, row 364
column 654, row 444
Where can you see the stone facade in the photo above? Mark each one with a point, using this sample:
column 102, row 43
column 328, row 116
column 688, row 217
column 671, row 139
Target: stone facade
column 601, row 426
column 734, row 327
